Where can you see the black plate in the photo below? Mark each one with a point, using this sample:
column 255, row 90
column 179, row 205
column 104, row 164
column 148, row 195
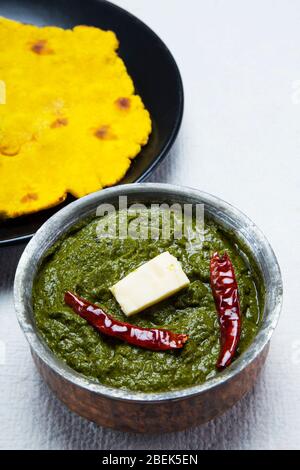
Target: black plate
column 150, row 64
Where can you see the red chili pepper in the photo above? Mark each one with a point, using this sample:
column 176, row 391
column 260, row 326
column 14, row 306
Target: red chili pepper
column 148, row 338
column 225, row 291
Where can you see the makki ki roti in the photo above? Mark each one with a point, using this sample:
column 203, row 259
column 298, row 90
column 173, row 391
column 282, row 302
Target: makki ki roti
column 71, row 122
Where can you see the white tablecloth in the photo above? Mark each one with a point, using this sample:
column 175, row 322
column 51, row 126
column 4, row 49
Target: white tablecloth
column 240, row 139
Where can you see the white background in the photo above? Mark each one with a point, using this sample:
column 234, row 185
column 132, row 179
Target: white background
column 240, row 140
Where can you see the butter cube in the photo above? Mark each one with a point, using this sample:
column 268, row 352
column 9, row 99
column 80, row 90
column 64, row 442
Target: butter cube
column 152, row 282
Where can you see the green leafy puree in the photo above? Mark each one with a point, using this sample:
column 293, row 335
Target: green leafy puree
column 89, row 265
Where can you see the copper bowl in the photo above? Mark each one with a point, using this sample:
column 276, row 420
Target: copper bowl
column 150, row 412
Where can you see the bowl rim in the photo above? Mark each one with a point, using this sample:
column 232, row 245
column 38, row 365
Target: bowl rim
column 58, row 221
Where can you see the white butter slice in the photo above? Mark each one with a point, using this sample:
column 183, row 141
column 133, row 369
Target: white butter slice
column 152, row 282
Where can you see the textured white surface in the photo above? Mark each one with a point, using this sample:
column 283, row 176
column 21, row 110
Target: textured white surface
column 240, row 139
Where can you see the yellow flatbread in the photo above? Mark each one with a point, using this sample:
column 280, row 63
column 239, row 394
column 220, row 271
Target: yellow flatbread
column 71, row 122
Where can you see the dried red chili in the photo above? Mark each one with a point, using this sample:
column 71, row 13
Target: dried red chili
column 148, row 338
column 225, row 291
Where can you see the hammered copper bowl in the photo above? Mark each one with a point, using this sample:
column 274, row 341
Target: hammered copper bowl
column 150, row 412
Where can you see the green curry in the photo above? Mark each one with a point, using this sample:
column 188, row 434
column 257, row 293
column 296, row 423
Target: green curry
column 88, row 265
